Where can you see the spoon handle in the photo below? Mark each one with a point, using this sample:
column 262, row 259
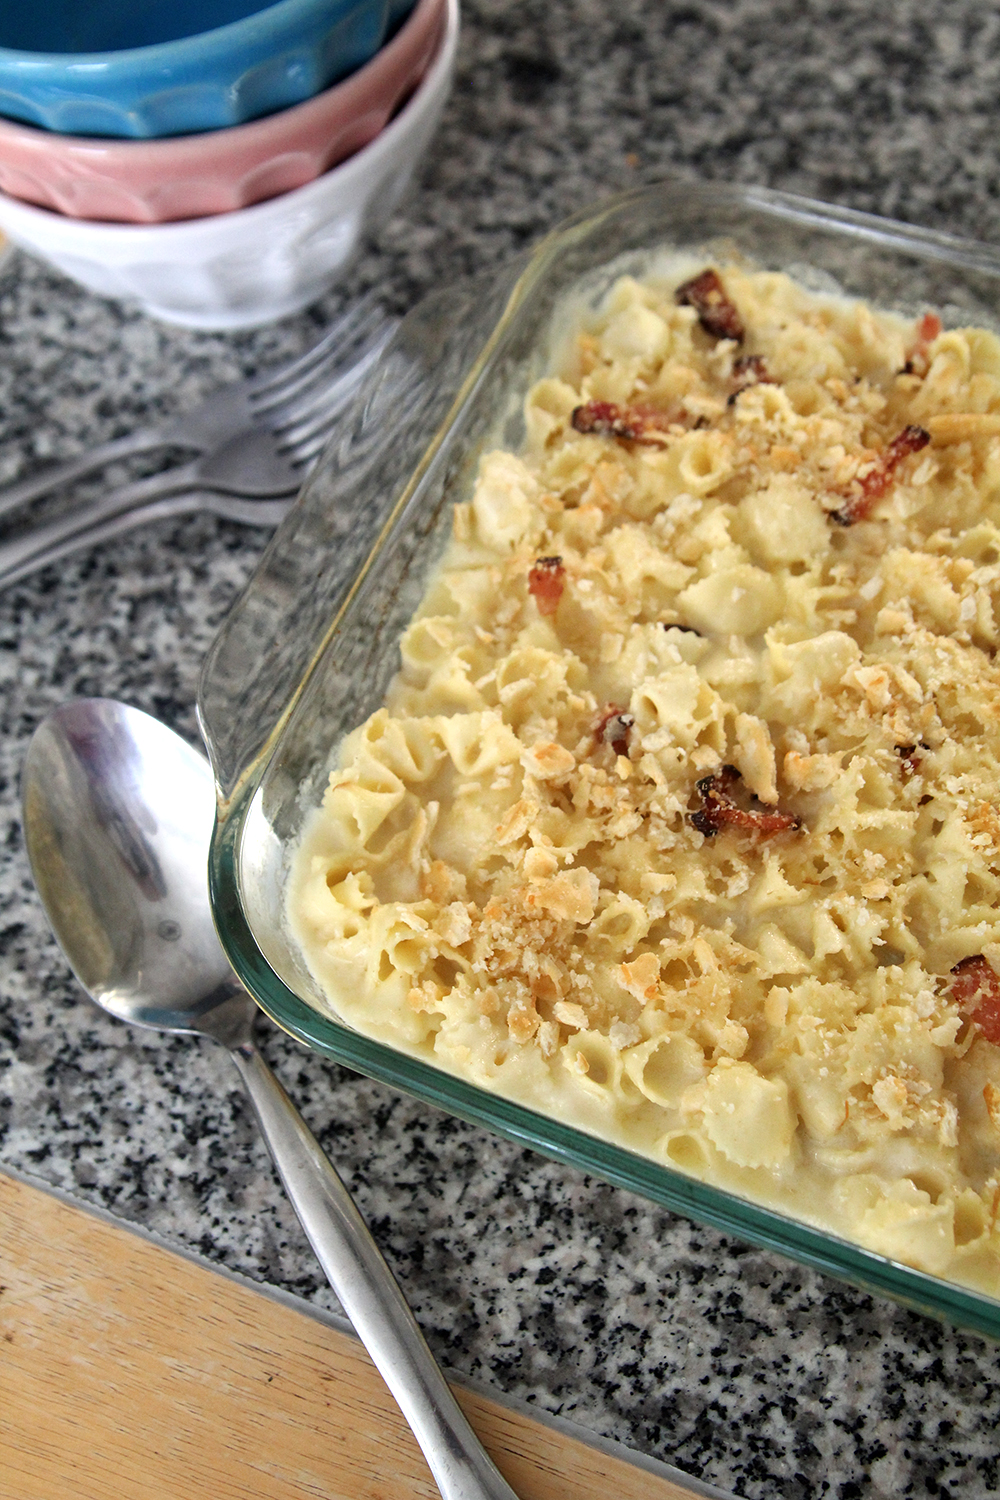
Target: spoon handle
column 368, row 1292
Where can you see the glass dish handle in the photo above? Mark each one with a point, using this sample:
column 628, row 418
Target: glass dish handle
column 261, row 656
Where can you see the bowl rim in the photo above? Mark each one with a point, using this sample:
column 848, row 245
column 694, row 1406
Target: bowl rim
column 81, row 235
column 65, row 146
column 261, row 24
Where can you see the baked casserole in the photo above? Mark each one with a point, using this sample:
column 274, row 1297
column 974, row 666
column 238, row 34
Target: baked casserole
column 680, row 820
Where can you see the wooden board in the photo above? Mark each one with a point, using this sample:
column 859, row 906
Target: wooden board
column 130, row 1371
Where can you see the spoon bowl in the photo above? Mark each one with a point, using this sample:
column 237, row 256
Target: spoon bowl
column 118, row 816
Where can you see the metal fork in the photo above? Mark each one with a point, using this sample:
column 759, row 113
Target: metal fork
column 236, row 479
column 259, row 512
column 263, row 402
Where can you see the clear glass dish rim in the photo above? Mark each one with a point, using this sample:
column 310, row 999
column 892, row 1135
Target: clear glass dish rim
column 722, row 1210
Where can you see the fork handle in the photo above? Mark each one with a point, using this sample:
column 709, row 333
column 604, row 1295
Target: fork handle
column 145, row 440
column 22, row 554
column 247, row 513
column 13, row 570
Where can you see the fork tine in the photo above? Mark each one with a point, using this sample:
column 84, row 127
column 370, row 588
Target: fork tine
column 298, row 444
column 327, row 382
column 299, row 419
column 342, row 328
column 306, row 454
column 336, row 348
column 308, row 444
column 304, row 443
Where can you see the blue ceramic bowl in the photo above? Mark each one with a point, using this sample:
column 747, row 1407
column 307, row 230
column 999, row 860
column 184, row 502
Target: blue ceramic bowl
column 150, row 68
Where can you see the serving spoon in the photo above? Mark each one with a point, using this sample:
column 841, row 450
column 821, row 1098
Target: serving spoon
column 118, row 814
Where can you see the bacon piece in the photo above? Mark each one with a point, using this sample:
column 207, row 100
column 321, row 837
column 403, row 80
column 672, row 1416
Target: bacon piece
column 720, row 808
column 717, row 313
column 909, row 760
column 613, row 729
column 878, row 479
column 749, row 370
column 918, row 360
column 976, row 988
column 629, row 423
column 546, row 582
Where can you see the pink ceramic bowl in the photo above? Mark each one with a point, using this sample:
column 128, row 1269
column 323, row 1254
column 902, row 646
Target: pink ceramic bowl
column 194, row 176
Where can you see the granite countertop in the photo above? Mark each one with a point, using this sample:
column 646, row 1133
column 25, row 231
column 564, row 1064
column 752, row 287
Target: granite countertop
column 736, row 1365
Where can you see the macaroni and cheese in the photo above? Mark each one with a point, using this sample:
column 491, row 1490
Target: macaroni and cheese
column 681, row 821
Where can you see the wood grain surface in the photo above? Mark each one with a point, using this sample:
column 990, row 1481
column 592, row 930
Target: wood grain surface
column 130, row 1371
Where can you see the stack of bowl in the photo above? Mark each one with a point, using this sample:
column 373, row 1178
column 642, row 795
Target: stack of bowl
column 218, row 161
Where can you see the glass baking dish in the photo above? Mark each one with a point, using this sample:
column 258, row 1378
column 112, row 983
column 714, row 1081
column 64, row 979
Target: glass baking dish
column 307, row 652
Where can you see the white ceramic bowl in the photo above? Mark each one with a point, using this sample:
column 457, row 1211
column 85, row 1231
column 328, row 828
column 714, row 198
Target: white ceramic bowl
column 241, row 269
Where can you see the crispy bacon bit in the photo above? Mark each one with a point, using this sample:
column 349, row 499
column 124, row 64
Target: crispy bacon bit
column 749, row 370
column 976, row 988
column 720, row 808
column 546, row 582
column 878, row 480
column 613, row 729
column 630, row 423
column 909, row 760
column 918, row 360
column 717, row 313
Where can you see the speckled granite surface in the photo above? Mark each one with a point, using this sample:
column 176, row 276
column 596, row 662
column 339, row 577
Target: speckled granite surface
column 733, row 1364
